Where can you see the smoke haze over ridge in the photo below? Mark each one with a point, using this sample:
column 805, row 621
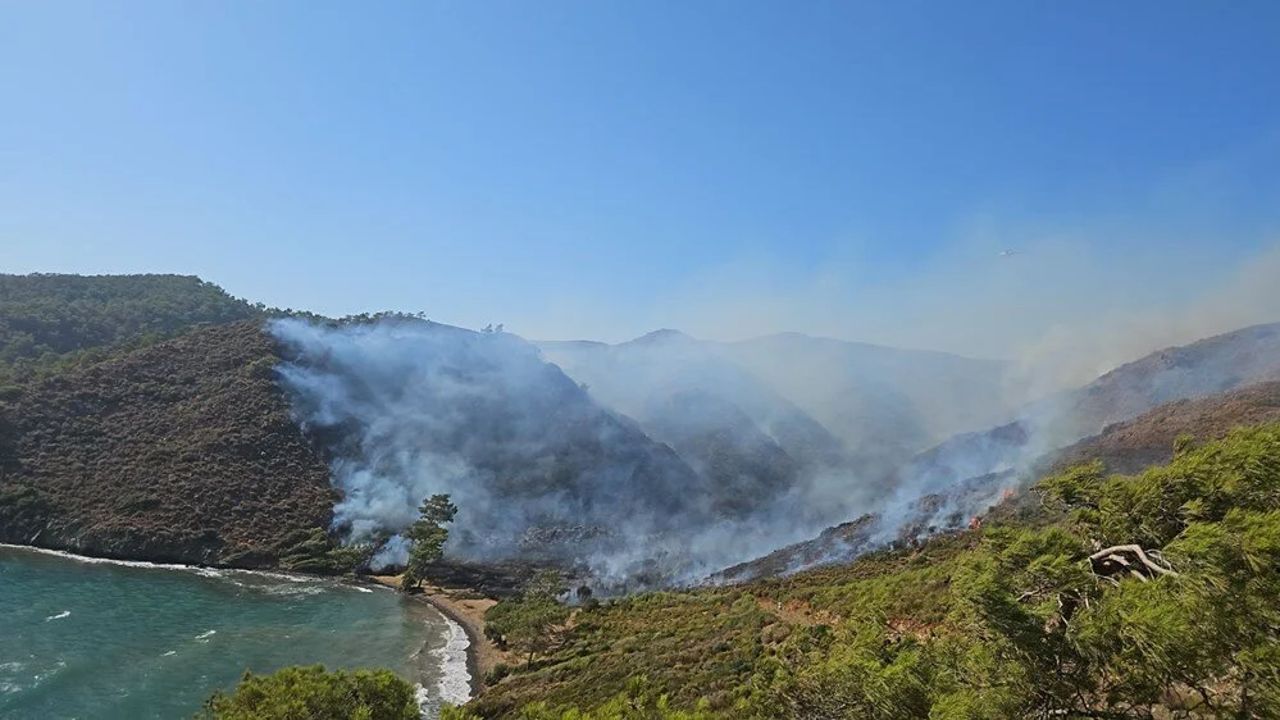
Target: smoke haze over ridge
column 662, row 458
column 408, row 408
column 539, row 469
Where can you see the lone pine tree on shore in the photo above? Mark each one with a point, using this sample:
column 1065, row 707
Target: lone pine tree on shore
column 428, row 535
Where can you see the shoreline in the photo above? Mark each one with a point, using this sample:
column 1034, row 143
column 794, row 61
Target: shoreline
column 207, row 570
column 468, row 614
column 481, row 655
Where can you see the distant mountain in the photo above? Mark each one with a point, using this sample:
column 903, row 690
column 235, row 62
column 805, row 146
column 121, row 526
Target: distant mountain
column 871, row 396
column 1207, row 388
column 640, row 378
column 845, row 412
column 49, row 321
column 732, row 428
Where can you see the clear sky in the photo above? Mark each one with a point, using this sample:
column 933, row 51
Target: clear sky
column 602, row 168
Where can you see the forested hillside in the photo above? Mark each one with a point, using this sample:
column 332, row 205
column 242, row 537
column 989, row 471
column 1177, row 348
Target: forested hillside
column 183, row 451
column 1142, row 596
column 52, row 321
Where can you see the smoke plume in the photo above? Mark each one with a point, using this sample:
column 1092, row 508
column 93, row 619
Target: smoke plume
column 663, row 459
column 538, row 469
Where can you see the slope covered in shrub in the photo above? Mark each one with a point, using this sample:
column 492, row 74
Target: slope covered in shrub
column 183, row 451
column 1141, row 596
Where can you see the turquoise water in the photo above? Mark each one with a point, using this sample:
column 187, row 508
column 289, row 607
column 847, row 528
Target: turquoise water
column 102, row 640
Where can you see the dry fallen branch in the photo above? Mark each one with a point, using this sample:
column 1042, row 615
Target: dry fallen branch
column 1131, row 560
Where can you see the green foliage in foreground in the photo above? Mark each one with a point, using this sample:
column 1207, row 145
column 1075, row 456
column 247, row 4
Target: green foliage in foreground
column 637, row 702
column 1007, row 621
column 310, row 693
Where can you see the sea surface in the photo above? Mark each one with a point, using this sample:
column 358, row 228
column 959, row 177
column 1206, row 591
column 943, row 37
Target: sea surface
column 99, row 639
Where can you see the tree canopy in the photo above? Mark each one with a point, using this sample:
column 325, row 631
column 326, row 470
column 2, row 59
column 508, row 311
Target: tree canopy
column 533, row 622
column 427, row 537
column 51, row 321
column 311, row 693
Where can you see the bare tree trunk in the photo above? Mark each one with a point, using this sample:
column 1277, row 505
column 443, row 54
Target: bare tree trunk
column 1131, row 560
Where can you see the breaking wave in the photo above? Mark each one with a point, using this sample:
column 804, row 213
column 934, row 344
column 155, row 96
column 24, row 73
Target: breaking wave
column 455, row 677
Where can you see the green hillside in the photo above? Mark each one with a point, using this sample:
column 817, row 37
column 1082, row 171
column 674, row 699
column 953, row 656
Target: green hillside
column 1013, row 619
column 182, row 451
column 49, row 322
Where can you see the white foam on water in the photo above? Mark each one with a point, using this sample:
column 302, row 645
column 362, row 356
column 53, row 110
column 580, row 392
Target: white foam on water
column 10, row 684
column 292, row 590
column 293, row 583
column 209, row 572
column 100, row 561
column 171, row 652
column 357, row 588
column 204, row 636
column 59, row 616
column 423, row 698
column 455, row 678
column 40, row 677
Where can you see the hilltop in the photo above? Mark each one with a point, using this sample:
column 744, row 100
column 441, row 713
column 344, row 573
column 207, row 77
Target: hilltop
column 49, row 322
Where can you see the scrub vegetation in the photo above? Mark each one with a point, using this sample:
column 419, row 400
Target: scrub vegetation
column 184, row 451
column 1119, row 596
column 50, row 323
column 129, row 428
column 314, row 694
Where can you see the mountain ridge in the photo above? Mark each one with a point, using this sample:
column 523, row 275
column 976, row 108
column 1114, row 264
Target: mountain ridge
column 971, row 471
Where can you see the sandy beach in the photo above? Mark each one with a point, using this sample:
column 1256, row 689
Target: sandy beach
column 467, row 609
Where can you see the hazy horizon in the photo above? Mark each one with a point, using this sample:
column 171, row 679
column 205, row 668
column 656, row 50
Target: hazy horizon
column 966, row 181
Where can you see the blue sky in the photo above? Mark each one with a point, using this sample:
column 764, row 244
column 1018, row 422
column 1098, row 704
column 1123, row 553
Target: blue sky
column 603, row 168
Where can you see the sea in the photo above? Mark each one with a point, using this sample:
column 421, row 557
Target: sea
column 88, row 638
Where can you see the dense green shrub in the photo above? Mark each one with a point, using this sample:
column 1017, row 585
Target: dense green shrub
column 310, row 693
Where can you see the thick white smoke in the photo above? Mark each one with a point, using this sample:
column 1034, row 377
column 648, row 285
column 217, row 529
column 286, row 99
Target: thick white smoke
column 407, row 409
column 538, row 468
column 710, row 465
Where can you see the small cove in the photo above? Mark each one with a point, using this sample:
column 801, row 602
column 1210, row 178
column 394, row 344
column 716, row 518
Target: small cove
column 83, row 638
